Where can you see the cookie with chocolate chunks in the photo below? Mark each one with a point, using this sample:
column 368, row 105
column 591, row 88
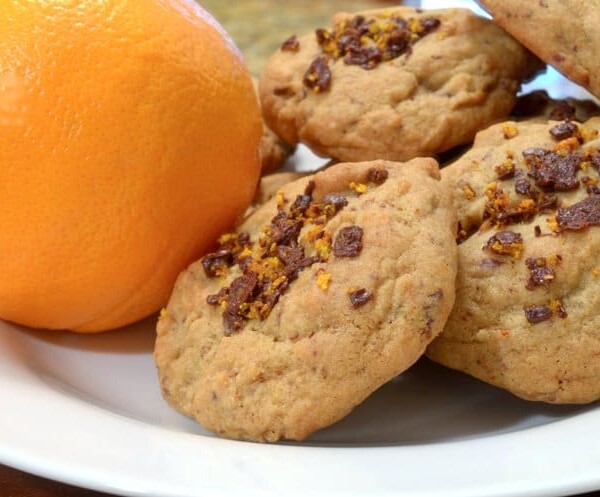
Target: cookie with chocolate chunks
column 538, row 104
column 324, row 293
column 528, row 290
column 562, row 33
column 393, row 84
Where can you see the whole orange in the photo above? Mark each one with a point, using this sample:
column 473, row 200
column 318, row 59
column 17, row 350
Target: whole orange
column 129, row 132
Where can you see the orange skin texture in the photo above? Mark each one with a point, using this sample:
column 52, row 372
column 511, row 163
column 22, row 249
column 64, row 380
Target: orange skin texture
column 129, row 135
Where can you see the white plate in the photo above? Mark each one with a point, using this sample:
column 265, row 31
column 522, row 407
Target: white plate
column 87, row 410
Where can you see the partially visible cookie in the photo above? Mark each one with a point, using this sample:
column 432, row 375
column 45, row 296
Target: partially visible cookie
column 270, row 184
column 562, row 33
column 329, row 290
column 539, row 104
column 273, row 150
column 393, row 84
column 527, row 315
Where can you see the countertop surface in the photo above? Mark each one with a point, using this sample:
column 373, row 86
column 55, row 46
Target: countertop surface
column 15, row 483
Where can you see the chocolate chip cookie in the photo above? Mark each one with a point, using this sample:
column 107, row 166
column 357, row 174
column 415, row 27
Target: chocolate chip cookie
column 562, row 33
column 528, row 289
column 327, row 291
column 539, row 104
column 394, row 83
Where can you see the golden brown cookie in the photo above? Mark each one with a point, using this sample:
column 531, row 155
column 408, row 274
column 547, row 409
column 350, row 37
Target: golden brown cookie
column 562, row 33
column 326, row 292
column 528, row 289
column 273, row 150
column 393, row 83
column 538, row 104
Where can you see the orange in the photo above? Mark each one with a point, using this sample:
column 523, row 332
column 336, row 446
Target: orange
column 129, row 132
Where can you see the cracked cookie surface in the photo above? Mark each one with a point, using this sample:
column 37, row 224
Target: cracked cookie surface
column 327, row 291
column 528, row 288
column 393, row 84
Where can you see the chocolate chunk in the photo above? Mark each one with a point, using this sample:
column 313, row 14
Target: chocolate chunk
column 359, row 297
column 534, row 154
column 593, row 190
column 397, row 43
column 285, row 231
column 523, row 186
column 242, row 290
column 300, row 205
column 430, row 23
column 547, row 203
column 291, row 44
column 269, row 300
column 318, row 75
column 377, row 175
column 537, row 231
column 366, row 57
column 216, row 263
column 323, row 36
column 557, row 172
column 595, row 160
column 564, row 130
column 294, row 260
column 338, row 201
column 540, row 273
column 537, row 313
column 367, row 42
column 309, row 188
column 580, row 215
column 348, row 242
column 506, row 243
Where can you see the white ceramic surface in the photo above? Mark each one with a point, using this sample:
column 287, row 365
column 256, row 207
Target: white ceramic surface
column 87, row 410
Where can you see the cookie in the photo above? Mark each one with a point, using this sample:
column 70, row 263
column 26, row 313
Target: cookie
column 562, row 33
column 270, row 184
column 273, row 150
column 528, row 289
column 539, row 104
column 393, row 84
column 326, row 292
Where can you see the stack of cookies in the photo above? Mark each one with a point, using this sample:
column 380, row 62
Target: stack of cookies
column 338, row 281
